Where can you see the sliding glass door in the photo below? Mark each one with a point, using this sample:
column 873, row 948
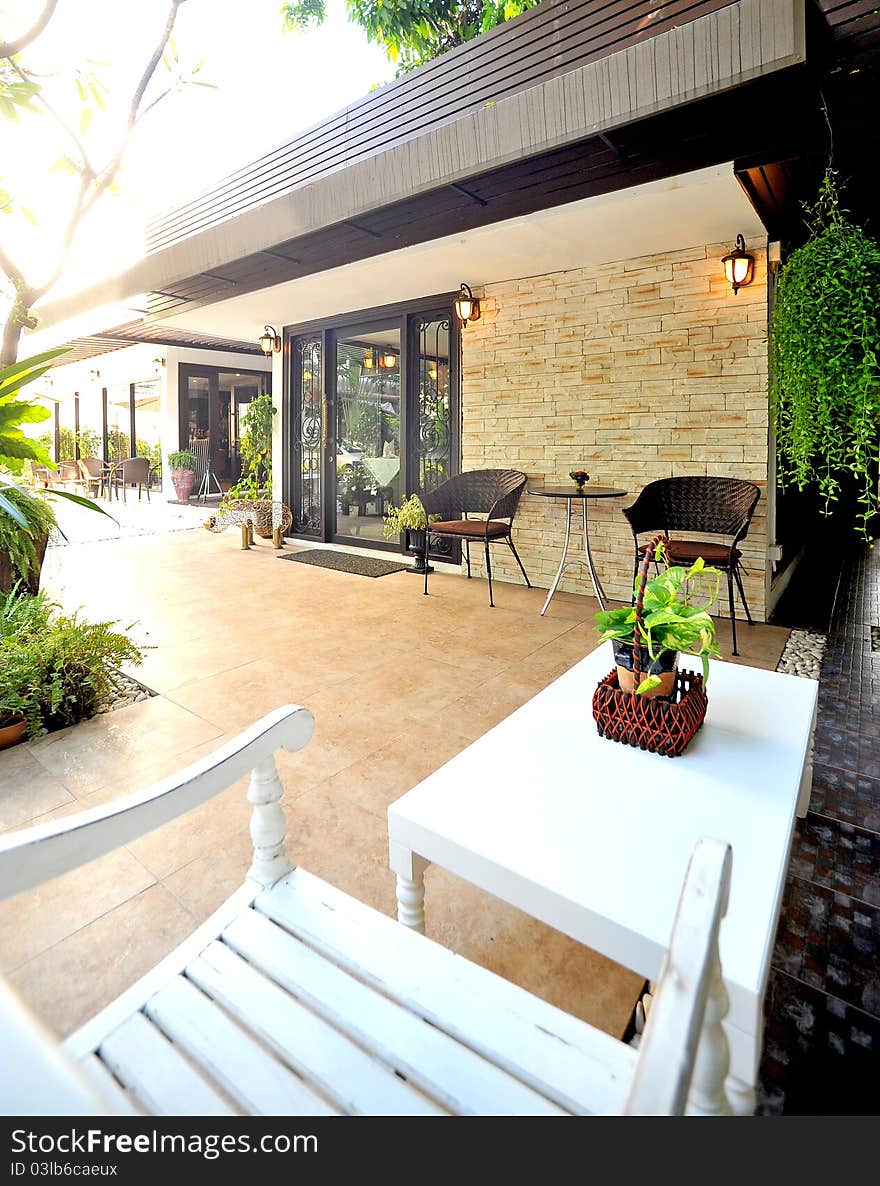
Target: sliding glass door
column 375, row 423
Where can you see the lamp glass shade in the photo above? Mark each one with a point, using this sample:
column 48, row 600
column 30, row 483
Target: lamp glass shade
column 368, row 360
column 389, row 361
column 739, row 266
column 268, row 341
column 464, row 308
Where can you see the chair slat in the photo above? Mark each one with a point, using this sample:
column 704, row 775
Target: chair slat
column 455, row 1076
column 257, row 1082
column 581, row 1068
column 356, row 1081
column 158, row 1076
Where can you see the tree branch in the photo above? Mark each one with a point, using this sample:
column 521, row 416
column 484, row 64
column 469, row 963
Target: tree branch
column 60, row 120
column 8, row 49
column 93, row 185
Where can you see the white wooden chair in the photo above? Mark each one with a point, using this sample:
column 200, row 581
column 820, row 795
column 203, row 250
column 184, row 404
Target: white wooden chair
column 293, row 998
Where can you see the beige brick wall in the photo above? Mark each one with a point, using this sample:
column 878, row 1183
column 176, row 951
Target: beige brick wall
column 641, row 369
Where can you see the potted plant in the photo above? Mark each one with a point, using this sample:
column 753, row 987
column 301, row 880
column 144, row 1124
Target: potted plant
column 672, row 622
column 409, row 519
column 183, row 473
column 825, row 360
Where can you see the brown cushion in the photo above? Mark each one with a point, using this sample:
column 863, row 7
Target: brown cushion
column 476, row 527
column 686, row 551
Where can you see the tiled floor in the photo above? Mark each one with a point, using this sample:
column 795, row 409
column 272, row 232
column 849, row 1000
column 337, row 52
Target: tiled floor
column 822, row 1042
column 398, row 683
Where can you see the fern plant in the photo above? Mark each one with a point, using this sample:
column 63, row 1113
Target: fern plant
column 825, row 358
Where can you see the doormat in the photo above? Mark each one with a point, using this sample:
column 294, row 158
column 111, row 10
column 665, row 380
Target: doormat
column 362, row 566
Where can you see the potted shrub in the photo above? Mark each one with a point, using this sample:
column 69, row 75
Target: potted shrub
column 673, row 622
column 255, row 484
column 55, row 669
column 22, row 549
column 183, row 473
column 409, row 519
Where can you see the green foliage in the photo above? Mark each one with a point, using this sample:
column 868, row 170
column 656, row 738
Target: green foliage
column 14, row 445
column 182, row 459
column 412, row 32
column 89, row 442
column 825, row 358
column 20, row 544
column 672, row 621
column 256, row 450
column 410, row 515
column 56, row 669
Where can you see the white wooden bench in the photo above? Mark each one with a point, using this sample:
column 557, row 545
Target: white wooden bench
column 295, row 999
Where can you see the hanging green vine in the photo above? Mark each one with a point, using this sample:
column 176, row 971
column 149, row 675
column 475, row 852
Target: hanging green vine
column 825, row 358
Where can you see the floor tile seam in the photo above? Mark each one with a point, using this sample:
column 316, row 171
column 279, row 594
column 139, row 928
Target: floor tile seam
column 840, row 820
column 824, row 816
column 78, row 930
column 822, row 992
column 828, row 889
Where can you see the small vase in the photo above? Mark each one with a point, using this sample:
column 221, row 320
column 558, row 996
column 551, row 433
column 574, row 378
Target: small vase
column 579, row 487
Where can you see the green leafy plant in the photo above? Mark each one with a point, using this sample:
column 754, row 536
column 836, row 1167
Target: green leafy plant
column 181, row 460
column 256, row 450
column 21, row 544
column 825, row 358
column 56, row 669
column 672, row 621
column 15, row 446
column 410, row 516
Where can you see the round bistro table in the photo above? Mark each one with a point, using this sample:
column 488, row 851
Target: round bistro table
column 571, row 496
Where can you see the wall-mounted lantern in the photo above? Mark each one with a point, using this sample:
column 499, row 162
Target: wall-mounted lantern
column 467, row 307
column 369, row 360
column 739, row 266
column 270, row 341
column 388, row 361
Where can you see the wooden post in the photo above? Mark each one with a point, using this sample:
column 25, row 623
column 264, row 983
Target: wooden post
column 245, row 541
column 271, row 861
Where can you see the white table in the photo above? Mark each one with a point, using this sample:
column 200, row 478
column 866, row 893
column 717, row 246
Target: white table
column 593, row 837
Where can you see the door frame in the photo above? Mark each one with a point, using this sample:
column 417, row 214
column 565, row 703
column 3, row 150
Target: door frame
column 328, row 330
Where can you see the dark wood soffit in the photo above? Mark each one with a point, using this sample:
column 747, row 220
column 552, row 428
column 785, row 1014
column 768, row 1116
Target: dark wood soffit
column 136, row 333
column 770, row 120
column 546, row 42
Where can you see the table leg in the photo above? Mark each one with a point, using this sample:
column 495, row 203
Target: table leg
column 600, row 592
column 410, row 869
column 562, row 562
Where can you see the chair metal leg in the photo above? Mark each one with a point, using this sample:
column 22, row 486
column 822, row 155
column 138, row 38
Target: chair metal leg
column 635, row 572
column 742, row 593
column 467, row 550
column 732, row 609
column 425, row 561
column 489, row 574
column 519, row 562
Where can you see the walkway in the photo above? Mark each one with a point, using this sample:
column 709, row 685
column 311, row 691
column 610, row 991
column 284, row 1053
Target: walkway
column 398, row 682
column 822, row 1038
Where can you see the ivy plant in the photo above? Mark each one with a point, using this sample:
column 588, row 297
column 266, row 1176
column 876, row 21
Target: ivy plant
column 256, row 450
column 825, row 358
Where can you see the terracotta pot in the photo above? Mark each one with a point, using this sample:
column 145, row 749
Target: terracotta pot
column 666, row 667
column 183, row 481
column 12, row 734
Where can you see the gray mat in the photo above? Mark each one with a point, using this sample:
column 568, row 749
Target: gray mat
column 362, row 566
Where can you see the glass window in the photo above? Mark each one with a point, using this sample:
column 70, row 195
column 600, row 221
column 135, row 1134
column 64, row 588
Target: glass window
column 118, row 422
column 147, row 422
column 434, row 442
column 67, row 431
column 91, row 423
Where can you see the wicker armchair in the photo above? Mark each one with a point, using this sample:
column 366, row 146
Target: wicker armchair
column 710, row 506
column 494, row 493
column 134, row 471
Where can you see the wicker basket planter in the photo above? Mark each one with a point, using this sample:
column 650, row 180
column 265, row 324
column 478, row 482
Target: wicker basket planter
column 651, row 723
column 667, row 718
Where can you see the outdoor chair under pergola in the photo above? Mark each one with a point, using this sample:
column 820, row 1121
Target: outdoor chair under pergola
column 494, row 493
